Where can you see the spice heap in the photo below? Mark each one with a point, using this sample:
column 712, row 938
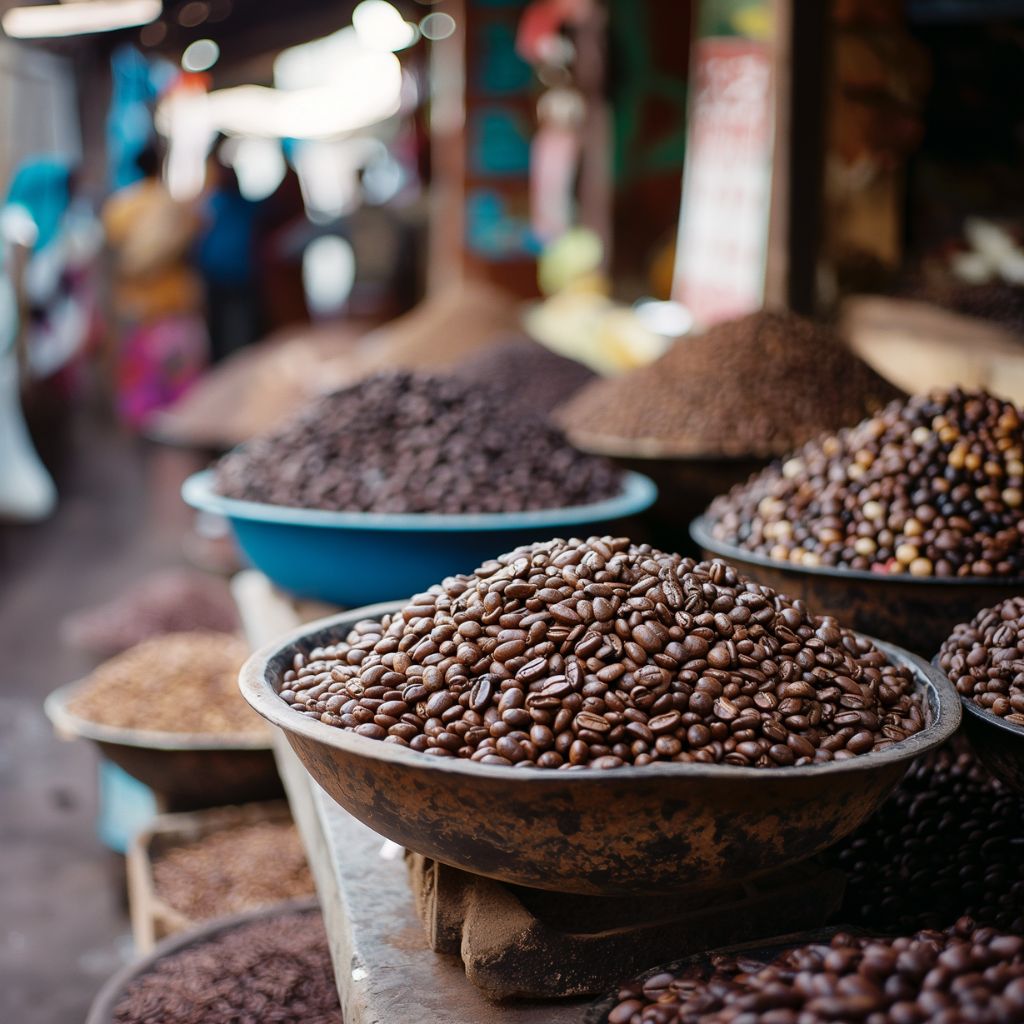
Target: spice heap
column 933, row 486
column 666, row 409
column 409, row 442
column 602, row 653
column 964, row 974
column 170, row 601
column 277, row 969
column 527, row 373
column 179, row 682
column 901, row 872
column 234, row 869
column 983, row 659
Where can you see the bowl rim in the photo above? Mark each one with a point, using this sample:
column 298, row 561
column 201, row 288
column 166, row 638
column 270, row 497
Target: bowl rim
column 637, row 493
column 979, row 713
column 104, row 1002
column 56, row 708
column 701, row 535
column 261, row 695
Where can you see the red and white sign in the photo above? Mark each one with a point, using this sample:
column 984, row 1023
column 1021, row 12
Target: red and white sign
column 723, row 223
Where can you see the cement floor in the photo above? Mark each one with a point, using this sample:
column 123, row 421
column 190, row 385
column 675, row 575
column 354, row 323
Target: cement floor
column 63, row 924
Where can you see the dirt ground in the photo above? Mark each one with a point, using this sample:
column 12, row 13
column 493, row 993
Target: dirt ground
column 63, row 921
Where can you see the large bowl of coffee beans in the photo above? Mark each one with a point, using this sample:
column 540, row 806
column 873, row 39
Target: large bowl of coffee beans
column 167, row 711
column 905, row 524
column 378, row 490
column 597, row 716
column 959, row 974
column 984, row 659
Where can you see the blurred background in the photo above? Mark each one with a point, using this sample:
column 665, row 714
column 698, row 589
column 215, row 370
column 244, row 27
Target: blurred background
column 212, row 209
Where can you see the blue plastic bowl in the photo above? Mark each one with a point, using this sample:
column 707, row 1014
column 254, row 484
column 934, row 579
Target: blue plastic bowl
column 356, row 558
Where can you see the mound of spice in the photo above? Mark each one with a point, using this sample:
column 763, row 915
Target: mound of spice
column 409, row 442
column 902, row 874
column 170, row 601
column 602, row 653
column 179, row 682
column 276, row 969
column 965, row 973
column 933, row 486
column 237, row 868
column 984, row 661
column 526, row 372
column 758, row 386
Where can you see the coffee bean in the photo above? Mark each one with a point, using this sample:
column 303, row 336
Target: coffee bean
column 928, row 486
column 718, row 686
column 940, row 976
column 409, row 442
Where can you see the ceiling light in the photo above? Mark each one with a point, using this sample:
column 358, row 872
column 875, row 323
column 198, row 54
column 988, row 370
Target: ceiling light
column 200, row 55
column 81, row 18
column 380, row 26
column 437, row 25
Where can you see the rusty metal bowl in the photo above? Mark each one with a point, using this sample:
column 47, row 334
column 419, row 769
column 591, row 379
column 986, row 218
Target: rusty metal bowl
column 916, row 612
column 657, row 828
column 187, row 770
column 998, row 743
column 106, row 1001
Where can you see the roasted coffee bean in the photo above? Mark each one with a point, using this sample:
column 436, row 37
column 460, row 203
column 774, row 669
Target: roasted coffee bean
column 273, row 969
column 933, row 486
column 984, row 659
column 408, row 442
column 666, row 405
column 963, row 975
column 947, row 843
column 601, row 697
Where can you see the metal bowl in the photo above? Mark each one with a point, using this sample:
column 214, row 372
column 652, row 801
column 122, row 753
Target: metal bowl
column 998, row 743
column 916, row 612
column 188, row 770
column 657, row 828
column 356, row 558
column 105, row 1003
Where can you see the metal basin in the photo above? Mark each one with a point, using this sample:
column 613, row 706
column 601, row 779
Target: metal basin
column 659, row 828
column 187, row 770
column 999, row 744
column 918, row 613
column 355, row 558
column 108, row 997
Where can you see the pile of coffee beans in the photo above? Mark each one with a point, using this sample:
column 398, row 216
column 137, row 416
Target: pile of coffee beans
column 984, row 659
column 409, row 442
column 236, row 868
column 602, row 653
column 169, row 601
column 963, row 974
column 179, row 682
column 948, row 842
column 527, row 373
column 933, row 486
column 758, row 386
column 274, row 969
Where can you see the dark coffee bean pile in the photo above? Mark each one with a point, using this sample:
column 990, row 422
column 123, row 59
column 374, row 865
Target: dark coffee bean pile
column 757, row 386
column 602, row 653
column 526, row 373
column 408, row 442
column 931, row 486
column 948, row 842
column 984, row 659
column 277, row 969
column 964, row 975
